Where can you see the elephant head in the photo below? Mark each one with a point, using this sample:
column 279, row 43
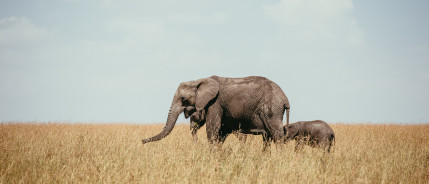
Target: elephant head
column 190, row 97
column 291, row 131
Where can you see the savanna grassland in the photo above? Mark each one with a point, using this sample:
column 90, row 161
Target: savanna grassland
column 113, row 153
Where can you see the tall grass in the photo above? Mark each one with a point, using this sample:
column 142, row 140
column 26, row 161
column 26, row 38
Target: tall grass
column 113, row 153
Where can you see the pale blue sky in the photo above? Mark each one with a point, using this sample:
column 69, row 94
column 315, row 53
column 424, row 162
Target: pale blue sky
column 121, row 61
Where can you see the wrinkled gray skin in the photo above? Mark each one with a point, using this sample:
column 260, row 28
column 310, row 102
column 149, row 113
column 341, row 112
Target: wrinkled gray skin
column 250, row 105
column 314, row 133
column 197, row 120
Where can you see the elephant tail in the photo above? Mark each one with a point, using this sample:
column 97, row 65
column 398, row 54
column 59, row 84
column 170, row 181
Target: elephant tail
column 287, row 108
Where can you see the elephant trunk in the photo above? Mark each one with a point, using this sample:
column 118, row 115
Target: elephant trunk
column 173, row 114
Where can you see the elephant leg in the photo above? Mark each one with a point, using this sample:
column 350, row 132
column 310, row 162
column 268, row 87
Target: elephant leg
column 267, row 141
column 213, row 123
column 196, row 126
column 298, row 145
column 274, row 127
column 222, row 135
column 314, row 143
column 326, row 145
column 194, row 134
column 327, row 148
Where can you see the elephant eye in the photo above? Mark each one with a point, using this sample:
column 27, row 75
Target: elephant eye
column 184, row 99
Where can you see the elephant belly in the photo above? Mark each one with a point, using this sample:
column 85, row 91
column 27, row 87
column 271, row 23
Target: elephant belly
column 245, row 126
column 255, row 132
column 253, row 128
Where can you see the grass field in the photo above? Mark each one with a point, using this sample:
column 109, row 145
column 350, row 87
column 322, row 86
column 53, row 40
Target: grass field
column 113, row 153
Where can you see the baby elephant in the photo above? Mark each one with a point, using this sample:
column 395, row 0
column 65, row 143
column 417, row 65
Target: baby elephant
column 314, row 133
column 197, row 120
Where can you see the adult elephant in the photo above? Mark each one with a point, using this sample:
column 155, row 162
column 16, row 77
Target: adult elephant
column 251, row 105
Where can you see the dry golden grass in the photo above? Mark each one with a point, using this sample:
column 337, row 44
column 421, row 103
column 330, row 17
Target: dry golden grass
column 113, row 153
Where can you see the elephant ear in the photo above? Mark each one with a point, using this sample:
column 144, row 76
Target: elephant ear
column 207, row 89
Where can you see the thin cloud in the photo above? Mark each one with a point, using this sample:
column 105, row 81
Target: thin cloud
column 315, row 20
column 22, row 32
